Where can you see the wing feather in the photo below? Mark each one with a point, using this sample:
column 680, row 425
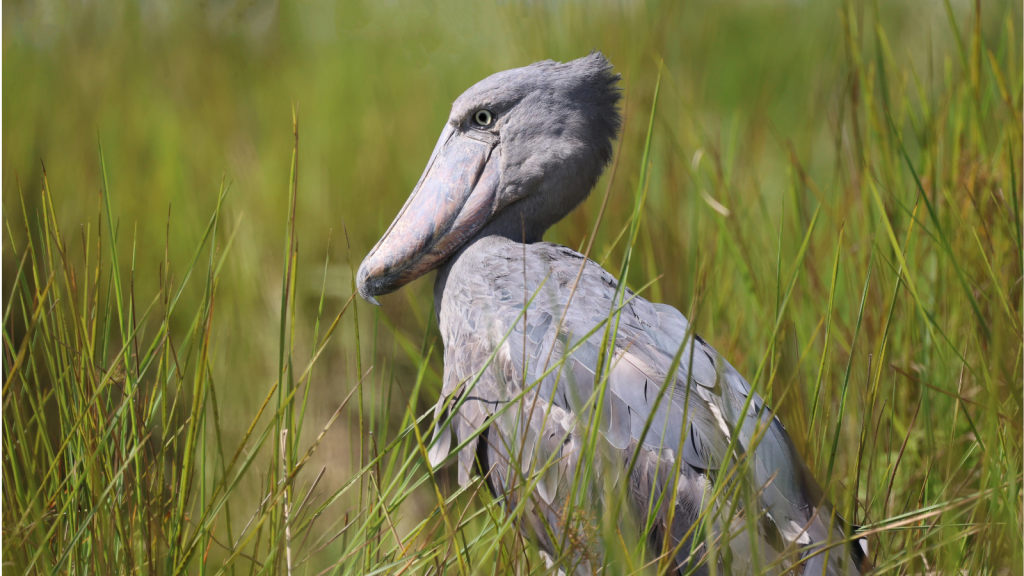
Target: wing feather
column 555, row 353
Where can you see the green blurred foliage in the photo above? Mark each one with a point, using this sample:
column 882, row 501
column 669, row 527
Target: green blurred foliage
column 182, row 95
column 756, row 119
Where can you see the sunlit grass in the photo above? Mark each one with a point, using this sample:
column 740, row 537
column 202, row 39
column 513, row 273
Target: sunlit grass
column 856, row 256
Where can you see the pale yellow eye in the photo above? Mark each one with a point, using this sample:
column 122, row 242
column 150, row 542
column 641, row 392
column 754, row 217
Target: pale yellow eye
column 483, row 117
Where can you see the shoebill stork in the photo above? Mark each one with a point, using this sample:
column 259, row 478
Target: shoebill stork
column 524, row 323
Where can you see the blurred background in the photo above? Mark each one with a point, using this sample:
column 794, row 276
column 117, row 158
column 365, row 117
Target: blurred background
column 760, row 120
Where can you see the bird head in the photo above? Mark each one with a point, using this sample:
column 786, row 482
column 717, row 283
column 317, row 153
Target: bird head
column 519, row 151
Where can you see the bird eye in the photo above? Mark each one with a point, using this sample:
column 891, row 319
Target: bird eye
column 483, row 117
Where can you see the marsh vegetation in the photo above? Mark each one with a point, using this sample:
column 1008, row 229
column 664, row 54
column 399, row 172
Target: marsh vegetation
column 831, row 194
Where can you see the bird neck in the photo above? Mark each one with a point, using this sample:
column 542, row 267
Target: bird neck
column 522, row 222
column 509, row 224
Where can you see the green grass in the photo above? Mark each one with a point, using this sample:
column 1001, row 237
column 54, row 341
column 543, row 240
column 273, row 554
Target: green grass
column 831, row 192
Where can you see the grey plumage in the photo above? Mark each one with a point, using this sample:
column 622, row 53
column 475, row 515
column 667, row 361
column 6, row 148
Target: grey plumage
column 478, row 310
column 521, row 357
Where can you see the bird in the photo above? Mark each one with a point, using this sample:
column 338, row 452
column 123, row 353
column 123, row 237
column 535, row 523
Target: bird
column 564, row 388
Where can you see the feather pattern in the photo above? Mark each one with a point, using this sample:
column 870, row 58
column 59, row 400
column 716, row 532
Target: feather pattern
column 527, row 379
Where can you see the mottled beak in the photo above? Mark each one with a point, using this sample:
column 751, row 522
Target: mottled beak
column 453, row 200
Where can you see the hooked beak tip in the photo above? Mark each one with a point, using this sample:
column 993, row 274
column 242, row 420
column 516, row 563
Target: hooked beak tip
column 363, row 285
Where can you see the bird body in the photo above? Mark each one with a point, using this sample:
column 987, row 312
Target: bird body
column 568, row 392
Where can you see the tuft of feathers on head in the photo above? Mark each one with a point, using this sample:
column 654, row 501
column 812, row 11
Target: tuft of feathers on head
column 596, row 86
column 609, row 94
